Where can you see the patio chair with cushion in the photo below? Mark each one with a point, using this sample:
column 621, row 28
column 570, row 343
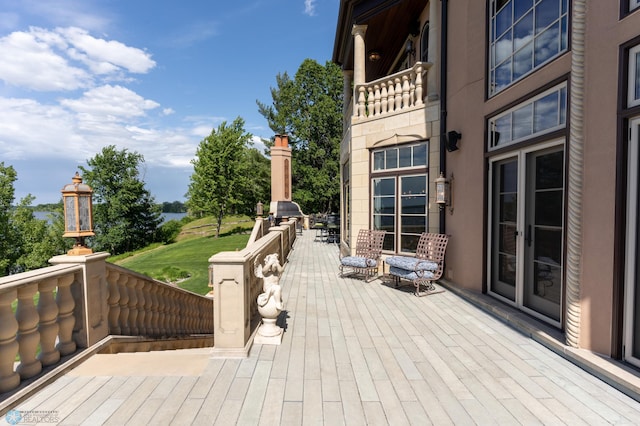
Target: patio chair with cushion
column 423, row 269
column 366, row 260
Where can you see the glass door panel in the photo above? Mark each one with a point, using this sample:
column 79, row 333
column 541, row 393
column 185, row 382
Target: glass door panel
column 384, row 209
column 632, row 280
column 543, row 233
column 413, row 211
column 504, row 228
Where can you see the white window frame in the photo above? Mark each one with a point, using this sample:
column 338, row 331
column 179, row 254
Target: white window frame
column 633, row 84
column 562, row 120
column 494, row 41
column 397, row 173
column 633, row 4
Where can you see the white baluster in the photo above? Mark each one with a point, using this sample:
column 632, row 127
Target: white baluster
column 114, row 302
column 376, row 100
column 48, row 311
column 9, row 379
column 66, row 319
column 123, row 318
column 419, row 96
column 133, row 306
column 383, row 99
column 361, row 107
column 142, row 329
column 405, row 91
column 28, row 335
column 392, row 95
column 398, row 99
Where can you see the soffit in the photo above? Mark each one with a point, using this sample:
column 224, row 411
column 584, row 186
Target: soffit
column 388, row 25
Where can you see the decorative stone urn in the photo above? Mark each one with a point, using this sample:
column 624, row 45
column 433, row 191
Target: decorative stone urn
column 270, row 300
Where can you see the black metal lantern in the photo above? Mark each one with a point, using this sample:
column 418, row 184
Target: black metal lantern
column 78, row 214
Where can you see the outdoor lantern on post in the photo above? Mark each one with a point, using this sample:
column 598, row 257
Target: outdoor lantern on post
column 259, row 209
column 78, row 214
column 442, row 191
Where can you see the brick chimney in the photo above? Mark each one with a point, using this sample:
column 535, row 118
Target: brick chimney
column 281, row 169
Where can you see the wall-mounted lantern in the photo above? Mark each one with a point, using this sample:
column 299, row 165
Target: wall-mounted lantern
column 78, row 214
column 374, row 55
column 443, row 192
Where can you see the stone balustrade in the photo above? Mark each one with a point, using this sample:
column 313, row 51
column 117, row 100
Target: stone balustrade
column 50, row 313
column 236, row 289
column 37, row 321
column 141, row 306
column 391, row 94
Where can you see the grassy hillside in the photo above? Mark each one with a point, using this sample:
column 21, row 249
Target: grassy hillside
column 187, row 260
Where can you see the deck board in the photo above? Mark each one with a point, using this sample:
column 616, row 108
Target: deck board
column 353, row 353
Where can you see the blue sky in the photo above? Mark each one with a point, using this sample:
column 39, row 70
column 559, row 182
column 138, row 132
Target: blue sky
column 154, row 77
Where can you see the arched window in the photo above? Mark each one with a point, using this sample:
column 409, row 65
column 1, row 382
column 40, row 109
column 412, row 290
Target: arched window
column 424, row 43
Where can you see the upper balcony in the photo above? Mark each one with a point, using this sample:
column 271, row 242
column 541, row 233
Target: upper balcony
column 388, row 52
column 390, row 95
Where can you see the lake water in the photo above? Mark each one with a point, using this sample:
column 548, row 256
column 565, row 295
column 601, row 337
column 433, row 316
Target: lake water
column 165, row 216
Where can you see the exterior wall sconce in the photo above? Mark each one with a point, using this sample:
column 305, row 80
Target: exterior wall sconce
column 452, row 140
column 374, row 56
column 78, row 214
column 443, row 192
column 259, row 209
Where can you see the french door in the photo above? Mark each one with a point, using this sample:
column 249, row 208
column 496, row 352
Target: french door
column 526, row 229
column 632, row 275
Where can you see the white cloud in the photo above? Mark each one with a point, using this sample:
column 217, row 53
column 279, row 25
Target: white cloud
column 110, row 101
column 108, row 55
column 78, row 129
column 66, row 59
column 28, row 59
column 168, row 111
column 310, row 7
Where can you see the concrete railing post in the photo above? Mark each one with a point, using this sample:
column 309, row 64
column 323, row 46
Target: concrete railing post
column 93, row 325
column 231, row 306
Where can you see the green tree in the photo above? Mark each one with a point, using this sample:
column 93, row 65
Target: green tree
column 126, row 216
column 309, row 109
column 220, row 172
column 39, row 241
column 258, row 185
column 8, row 237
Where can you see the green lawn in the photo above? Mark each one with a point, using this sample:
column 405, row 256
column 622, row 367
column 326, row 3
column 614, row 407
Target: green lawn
column 187, row 257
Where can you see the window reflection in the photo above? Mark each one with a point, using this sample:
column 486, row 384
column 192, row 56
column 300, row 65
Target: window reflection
column 542, row 114
column 400, row 203
column 525, row 35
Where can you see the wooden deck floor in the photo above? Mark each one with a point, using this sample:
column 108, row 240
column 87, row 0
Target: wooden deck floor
column 353, row 353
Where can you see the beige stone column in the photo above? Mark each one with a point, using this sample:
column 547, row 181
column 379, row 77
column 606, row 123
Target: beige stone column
column 93, row 326
column 347, row 78
column 575, row 174
column 434, row 45
column 359, row 54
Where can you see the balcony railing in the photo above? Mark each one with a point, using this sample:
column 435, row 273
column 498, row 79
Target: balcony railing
column 395, row 93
